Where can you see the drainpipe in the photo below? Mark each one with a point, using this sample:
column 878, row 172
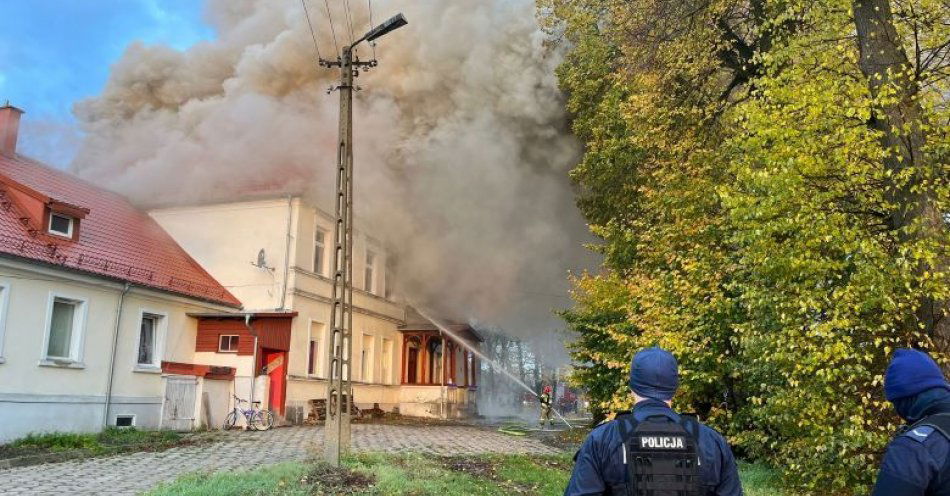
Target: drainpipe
column 247, row 323
column 115, row 344
column 290, row 216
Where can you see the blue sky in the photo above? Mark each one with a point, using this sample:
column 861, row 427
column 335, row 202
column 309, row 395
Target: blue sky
column 55, row 52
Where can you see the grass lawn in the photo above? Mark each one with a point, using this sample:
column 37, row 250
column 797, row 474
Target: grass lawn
column 416, row 475
column 109, row 441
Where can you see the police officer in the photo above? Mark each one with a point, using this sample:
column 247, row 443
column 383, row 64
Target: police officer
column 917, row 461
column 606, row 459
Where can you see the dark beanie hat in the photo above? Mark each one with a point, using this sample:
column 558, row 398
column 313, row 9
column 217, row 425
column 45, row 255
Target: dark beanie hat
column 911, row 372
column 654, row 374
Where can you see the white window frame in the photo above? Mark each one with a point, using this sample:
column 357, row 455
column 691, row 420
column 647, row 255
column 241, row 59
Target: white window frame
column 318, row 366
column 371, row 355
column 313, row 357
column 78, row 337
column 235, row 350
column 322, row 247
column 371, row 280
column 4, row 305
column 387, row 366
column 158, row 350
column 69, row 232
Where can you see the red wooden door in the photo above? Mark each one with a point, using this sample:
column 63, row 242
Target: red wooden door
column 275, row 363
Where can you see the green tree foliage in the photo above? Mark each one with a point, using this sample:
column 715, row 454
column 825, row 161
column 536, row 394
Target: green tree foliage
column 765, row 186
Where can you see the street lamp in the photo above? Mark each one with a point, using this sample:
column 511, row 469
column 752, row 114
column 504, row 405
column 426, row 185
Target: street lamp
column 393, row 23
column 340, row 390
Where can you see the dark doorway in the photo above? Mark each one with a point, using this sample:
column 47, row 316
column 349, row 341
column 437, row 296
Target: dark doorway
column 412, row 364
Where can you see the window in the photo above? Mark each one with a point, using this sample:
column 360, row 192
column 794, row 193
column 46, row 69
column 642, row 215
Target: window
column 125, row 420
column 64, row 329
column 413, row 372
column 387, row 361
column 227, row 343
column 435, row 361
column 319, row 251
column 148, row 340
column 366, row 359
column 314, row 356
column 61, row 225
column 369, row 281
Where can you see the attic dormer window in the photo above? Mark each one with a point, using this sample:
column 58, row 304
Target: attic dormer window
column 61, row 225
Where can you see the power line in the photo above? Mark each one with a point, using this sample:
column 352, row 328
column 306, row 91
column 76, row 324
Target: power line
column 369, row 6
column 349, row 19
column 313, row 34
column 332, row 30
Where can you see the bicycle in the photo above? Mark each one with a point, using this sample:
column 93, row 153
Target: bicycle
column 254, row 417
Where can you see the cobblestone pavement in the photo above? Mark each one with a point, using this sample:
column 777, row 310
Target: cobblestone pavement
column 135, row 472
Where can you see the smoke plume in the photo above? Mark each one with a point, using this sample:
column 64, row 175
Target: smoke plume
column 462, row 147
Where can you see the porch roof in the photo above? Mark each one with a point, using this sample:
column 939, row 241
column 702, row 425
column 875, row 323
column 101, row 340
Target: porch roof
column 415, row 322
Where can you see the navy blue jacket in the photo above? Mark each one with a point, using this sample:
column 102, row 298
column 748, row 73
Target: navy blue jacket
column 599, row 467
column 917, row 462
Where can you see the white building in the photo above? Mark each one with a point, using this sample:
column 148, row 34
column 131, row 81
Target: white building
column 274, row 256
column 106, row 320
column 96, row 309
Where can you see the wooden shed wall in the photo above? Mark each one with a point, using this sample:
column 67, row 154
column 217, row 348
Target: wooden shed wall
column 273, row 333
column 210, row 330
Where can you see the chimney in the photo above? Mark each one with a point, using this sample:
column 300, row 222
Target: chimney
column 9, row 128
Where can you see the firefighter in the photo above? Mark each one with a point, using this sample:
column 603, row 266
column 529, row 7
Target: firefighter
column 668, row 453
column 546, row 402
column 917, row 461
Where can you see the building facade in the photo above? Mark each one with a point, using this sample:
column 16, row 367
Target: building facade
column 95, row 301
column 274, row 255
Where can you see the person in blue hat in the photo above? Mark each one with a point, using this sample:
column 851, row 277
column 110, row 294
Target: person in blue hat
column 917, row 461
column 638, row 451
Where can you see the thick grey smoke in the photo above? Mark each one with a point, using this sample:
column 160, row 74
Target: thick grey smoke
column 462, row 149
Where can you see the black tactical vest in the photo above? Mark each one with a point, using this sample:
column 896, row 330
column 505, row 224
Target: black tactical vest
column 661, row 456
column 941, row 423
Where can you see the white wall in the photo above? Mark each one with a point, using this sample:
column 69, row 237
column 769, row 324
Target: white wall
column 250, row 226
column 215, row 398
column 226, row 238
column 37, row 395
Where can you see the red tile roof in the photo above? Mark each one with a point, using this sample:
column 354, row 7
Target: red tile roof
column 116, row 240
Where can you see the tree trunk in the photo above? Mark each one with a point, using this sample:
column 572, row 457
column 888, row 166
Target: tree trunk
column 490, row 349
column 521, row 361
column 538, row 373
column 899, row 119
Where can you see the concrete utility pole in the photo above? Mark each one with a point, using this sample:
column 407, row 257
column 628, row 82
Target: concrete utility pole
column 340, row 349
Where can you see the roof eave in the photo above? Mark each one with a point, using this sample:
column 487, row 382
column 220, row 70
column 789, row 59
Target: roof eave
column 235, row 304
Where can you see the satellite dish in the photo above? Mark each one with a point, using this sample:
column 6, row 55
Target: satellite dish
column 261, row 262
